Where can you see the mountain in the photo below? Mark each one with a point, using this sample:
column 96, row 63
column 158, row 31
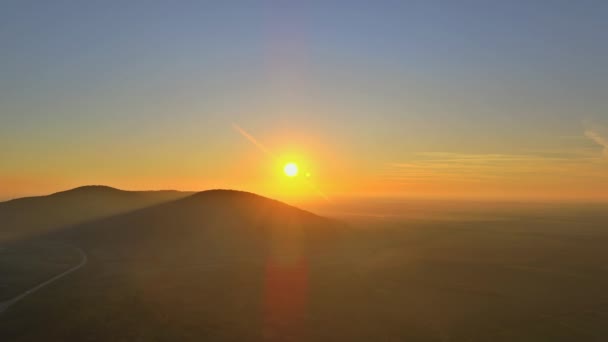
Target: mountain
column 31, row 216
column 225, row 222
column 219, row 264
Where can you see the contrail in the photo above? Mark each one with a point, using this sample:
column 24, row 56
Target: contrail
column 252, row 139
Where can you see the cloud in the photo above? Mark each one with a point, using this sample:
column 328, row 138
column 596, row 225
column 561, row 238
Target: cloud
column 596, row 137
column 484, row 168
column 566, row 168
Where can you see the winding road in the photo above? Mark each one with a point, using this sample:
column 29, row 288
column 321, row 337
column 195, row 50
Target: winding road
column 8, row 303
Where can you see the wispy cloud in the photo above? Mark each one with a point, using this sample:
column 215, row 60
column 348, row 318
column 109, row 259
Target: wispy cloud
column 483, row 168
column 596, row 137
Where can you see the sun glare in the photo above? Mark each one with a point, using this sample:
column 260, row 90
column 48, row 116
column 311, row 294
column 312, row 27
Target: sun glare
column 291, row 169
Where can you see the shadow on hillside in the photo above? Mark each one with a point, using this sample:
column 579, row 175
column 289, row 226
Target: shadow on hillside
column 248, row 258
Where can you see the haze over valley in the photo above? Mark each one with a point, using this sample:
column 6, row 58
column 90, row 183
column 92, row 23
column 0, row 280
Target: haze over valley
column 230, row 265
column 305, row 171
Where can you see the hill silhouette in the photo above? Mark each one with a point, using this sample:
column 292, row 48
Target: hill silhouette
column 218, row 257
column 224, row 222
column 32, row 216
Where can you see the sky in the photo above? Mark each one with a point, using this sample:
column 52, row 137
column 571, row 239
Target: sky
column 483, row 99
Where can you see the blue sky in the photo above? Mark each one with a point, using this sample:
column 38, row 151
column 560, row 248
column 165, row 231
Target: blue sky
column 380, row 80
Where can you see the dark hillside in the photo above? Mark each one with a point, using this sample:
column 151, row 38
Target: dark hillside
column 219, row 264
column 32, row 216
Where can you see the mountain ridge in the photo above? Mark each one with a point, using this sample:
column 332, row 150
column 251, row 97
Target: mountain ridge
column 31, row 216
column 90, row 189
column 39, row 215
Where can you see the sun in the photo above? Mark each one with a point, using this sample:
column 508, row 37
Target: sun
column 290, row 169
